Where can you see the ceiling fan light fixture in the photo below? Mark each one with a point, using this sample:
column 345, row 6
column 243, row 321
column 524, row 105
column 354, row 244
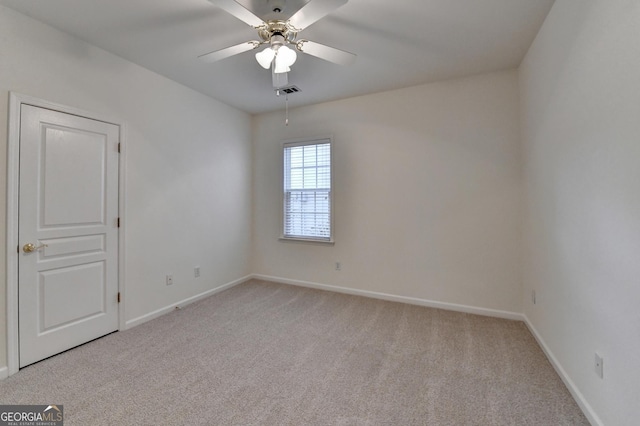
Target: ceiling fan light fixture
column 265, row 57
column 285, row 57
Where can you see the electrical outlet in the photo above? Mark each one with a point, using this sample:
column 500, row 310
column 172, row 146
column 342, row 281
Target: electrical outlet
column 533, row 297
column 196, row 271
column 338, row 266
column 169, row 279
column 598, row 366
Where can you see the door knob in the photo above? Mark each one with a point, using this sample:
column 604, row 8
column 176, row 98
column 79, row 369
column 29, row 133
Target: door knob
column 28, row 248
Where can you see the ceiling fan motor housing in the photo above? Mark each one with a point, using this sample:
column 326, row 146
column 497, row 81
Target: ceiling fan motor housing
column 277, row 29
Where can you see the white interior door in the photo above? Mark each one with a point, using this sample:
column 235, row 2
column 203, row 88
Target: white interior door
column 68, row 212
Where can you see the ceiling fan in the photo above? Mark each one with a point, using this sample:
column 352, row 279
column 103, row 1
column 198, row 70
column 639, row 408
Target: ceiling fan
column 278, row 34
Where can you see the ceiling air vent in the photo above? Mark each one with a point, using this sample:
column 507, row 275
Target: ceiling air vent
column 288, row 90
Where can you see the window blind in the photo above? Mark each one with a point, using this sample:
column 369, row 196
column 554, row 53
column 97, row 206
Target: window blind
column 307, row 190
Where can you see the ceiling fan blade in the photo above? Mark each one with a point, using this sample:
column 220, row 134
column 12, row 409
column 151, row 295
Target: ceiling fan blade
column 327, row 53
column 239, row 11
column 216, row 55
column 312, row 12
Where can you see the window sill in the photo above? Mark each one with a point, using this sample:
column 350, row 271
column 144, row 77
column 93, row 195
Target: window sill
column 307, row 240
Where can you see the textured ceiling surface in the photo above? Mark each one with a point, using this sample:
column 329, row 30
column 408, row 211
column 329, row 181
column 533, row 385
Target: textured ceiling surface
column 399, row 43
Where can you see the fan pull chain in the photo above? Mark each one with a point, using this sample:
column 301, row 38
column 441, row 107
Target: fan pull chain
column 286, row 109
column 286, row 106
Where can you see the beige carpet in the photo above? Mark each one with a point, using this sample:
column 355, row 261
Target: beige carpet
column 271, row 354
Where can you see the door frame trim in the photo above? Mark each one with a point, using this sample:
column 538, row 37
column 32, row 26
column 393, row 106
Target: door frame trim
column 13, row 180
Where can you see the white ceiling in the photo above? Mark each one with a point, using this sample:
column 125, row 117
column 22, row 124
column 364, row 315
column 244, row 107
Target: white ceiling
column 399, row 43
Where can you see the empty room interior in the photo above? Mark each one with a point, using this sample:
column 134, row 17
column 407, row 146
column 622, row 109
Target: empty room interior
column 414, row 212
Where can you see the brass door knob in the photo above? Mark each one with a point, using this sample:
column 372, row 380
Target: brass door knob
column 29, row 247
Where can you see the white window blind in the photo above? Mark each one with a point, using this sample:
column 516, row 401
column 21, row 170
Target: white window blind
column 307, row 190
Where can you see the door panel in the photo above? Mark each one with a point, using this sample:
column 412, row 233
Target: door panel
column 85, row 283
column 57, row 247
column 68, row 209
column 73, row 179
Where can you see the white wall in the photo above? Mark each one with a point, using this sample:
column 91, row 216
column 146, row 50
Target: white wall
column 188, row 162
column 580, row 92
column 426, row 192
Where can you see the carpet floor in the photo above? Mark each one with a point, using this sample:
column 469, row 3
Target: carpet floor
column 270, row 354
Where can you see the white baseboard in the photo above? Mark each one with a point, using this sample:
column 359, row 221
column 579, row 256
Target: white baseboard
column 159, row 312
column 4, row 373
column 588, row 411
column 393, row 298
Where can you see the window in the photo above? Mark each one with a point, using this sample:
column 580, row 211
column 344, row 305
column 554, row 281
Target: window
column 307, row 203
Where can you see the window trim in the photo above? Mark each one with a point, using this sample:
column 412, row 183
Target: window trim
column 302, row 142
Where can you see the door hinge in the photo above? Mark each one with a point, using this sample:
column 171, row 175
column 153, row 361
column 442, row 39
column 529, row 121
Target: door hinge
column 118, row 146
column 118, row 222
column 18, row 248
column 118, row 297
